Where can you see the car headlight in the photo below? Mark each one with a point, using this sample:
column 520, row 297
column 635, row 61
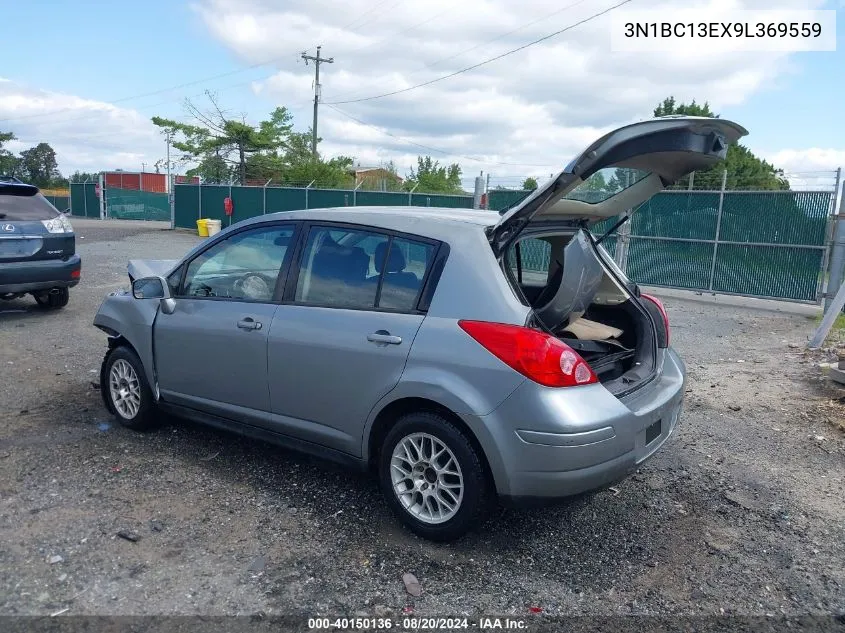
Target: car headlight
column 58, row 225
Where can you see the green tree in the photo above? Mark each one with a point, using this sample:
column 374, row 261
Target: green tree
column 83, row 176
column 8, row 161
column 529, row 184
column 38, row 166
column 218, row 137
column 745, row 170
column 431, row 177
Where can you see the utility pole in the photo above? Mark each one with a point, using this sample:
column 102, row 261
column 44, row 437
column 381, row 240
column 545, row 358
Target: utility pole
column 317, row 61
column 170, row 192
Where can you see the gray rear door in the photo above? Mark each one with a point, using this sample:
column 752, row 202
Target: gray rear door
column 211, row 352
column 340, row 340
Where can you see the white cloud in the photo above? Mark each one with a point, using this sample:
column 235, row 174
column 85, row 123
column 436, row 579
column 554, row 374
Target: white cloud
column 525, row 114
column 536, row 107
column 87, row 135
column 811, row 168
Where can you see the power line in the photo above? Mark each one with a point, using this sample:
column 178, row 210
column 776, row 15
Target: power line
column 486, row 61
column 428, row 147
column 485, row 43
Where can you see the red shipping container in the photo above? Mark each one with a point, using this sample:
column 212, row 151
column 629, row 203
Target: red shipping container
column 136, row 180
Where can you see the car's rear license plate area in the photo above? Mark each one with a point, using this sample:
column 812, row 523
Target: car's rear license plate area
column 652, row 432
column 19, row 247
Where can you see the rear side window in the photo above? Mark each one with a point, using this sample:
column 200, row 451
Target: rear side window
column 407, row 263
column 24, row 208
column 362, row 270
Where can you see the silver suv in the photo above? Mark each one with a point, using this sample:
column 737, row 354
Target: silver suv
column 463, row 355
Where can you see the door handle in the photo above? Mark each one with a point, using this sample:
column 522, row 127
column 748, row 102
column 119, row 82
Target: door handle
column 248, row 323
column 383, row 336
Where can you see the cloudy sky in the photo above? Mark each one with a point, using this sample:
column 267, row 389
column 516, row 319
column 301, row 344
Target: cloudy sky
column 90, row 75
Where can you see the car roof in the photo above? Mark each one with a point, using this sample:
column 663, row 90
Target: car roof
column 435, row 222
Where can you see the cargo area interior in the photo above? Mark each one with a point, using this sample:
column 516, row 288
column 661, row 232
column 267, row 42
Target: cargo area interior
column 578, row 294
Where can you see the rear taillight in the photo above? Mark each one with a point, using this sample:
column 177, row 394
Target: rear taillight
column 536, row 355
column 660, row 307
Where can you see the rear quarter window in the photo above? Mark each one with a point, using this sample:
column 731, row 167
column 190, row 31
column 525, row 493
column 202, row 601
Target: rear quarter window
column 25, row 208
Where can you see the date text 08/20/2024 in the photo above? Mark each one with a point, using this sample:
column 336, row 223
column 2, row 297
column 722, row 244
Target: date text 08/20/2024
column 417, row 624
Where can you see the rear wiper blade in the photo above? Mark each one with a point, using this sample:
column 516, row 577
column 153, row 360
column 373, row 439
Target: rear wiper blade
column 613, row 228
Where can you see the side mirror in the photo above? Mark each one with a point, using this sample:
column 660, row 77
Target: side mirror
column 154, row 288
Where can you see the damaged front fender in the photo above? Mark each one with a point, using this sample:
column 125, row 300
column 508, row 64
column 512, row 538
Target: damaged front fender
column 122, row 316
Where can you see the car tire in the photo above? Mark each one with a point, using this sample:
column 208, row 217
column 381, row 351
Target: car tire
column 53, row 299
column 126, row 392
column 434, row 503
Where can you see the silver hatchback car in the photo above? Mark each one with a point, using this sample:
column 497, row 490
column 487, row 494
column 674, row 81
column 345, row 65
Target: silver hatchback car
column 463, row 355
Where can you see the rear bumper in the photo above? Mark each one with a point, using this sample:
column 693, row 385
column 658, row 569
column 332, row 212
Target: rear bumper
column 31, row 276
column 553, row 443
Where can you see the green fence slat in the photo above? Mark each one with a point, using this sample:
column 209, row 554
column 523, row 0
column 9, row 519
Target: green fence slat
column 678, row 214
column 248, row 202
column 186, row 202
column 285, row 199
column 499, row 199
column 675, row 264
column 328, row 198
column 381, row 199
column 788, row 217
column 129, row 204
column 768, row 271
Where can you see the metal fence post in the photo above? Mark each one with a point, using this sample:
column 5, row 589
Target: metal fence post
column 718, row 228
column 307, row 187
column 355, row 194
column 830, row 226
column 171, row 198
column 411, row 193
column 199, row 201
column 837, row 251
column 264, row 212
column 102, row 185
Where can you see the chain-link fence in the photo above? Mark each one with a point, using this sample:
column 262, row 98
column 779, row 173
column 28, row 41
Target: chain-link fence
column 771, row 244
column 193, row 202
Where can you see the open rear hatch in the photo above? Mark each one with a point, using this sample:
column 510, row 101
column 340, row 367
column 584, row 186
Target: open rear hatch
column 586, row 301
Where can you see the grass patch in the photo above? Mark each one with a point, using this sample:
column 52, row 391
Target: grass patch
column 837, row 331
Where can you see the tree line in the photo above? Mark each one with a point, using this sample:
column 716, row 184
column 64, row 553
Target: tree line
column 226, row 148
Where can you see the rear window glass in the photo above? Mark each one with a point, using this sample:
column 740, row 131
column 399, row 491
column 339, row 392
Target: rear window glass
column 25, row 208
column 606, row 183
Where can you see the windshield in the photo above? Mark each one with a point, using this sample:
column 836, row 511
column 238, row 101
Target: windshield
column 606, row 183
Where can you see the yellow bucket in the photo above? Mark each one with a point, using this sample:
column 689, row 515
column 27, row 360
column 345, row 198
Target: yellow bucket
column 202, row 229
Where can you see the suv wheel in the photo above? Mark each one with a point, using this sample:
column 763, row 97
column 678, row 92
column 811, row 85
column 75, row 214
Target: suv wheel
column 53, row 299
column 126, row 391
column 433, row 477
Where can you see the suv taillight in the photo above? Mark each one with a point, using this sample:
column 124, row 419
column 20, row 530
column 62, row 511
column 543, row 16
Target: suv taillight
column 536, row 355
column 662, row 310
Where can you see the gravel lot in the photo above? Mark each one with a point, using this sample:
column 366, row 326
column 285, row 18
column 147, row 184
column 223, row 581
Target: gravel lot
column 742, row 511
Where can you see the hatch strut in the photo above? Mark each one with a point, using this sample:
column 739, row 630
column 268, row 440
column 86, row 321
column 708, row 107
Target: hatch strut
column 613, row 228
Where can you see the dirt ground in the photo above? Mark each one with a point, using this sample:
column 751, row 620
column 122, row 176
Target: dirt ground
column 742, row 512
